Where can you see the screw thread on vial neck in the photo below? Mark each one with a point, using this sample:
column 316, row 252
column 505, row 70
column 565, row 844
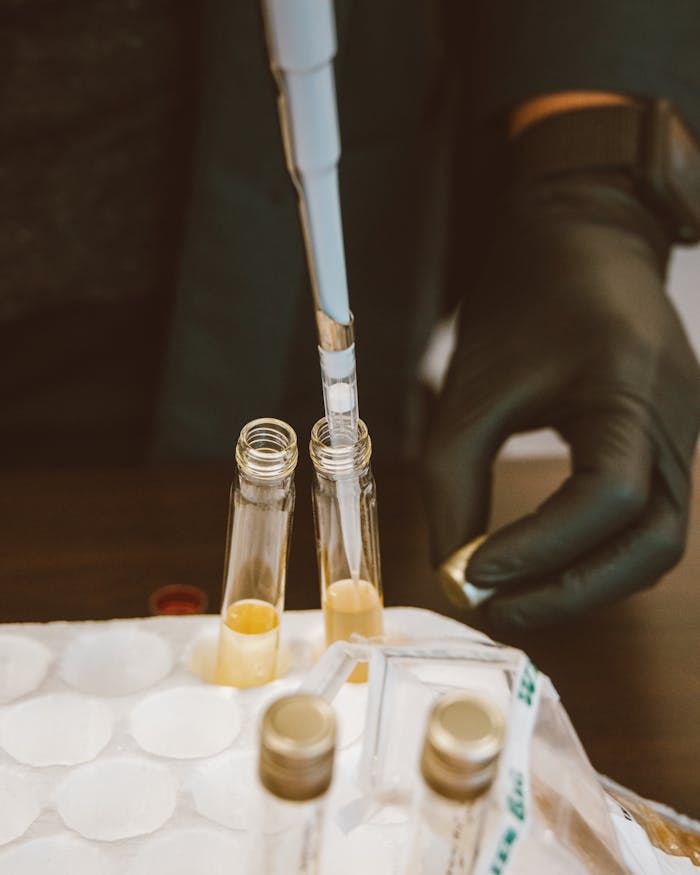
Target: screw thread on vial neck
column 267, row 449
column 332, row 460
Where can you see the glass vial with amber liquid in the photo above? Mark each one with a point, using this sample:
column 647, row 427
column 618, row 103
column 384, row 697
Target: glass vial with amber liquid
column 463, row 741
column 260, row 520
column 347, row 538
column 297, row 748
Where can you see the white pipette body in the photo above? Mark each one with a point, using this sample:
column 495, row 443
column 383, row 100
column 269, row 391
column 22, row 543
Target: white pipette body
column 302, row 45
column 301, row 40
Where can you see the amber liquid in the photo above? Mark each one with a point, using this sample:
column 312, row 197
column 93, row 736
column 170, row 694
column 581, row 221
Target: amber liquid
column 248, row 644
column 353, row 608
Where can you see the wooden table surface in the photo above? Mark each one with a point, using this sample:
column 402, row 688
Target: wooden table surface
column 93, row 543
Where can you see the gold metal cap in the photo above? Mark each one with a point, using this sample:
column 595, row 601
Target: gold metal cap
column 463, row 741
column 297, row 745
column 452, row 574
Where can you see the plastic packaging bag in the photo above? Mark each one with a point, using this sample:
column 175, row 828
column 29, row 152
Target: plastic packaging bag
column 547, row 809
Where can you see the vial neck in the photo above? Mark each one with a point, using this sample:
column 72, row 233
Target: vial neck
column 337, row 460
column 266, row 452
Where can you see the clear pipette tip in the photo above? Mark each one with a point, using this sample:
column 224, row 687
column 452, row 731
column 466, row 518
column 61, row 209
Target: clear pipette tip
column 340, row 400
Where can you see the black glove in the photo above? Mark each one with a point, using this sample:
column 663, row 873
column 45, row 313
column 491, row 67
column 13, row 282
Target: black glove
column 568, row 326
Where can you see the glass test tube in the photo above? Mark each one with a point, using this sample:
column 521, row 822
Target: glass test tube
column 297, row 747
column 259, row 530
column 463, row 742
column 352, row 602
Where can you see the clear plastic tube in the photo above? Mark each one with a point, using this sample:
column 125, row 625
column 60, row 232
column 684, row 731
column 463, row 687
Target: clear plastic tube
column 340, row 394
column 463, row 741
column 340, row 400
column 351, row 588
column 446, row 835
column 293, row 836
column 297, row 748
column 260, row 520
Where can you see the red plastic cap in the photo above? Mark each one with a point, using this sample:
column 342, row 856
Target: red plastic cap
column 177, row 599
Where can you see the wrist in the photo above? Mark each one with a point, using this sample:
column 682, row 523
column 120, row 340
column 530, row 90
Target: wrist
column 644, row 141
column 538, row 108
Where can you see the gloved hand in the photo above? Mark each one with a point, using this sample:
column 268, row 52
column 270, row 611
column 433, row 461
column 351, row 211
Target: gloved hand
column 568, row 326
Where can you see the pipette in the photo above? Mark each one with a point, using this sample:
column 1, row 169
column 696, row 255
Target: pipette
column 302, row 44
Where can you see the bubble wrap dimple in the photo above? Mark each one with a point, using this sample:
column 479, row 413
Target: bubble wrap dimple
column 119, row 757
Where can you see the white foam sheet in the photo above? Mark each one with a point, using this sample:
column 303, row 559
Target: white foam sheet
column 119, row 755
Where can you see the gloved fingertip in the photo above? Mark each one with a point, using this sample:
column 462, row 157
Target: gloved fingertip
column 486, row 570
column 532, row 610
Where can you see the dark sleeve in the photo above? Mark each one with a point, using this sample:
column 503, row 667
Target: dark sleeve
column 638, row 47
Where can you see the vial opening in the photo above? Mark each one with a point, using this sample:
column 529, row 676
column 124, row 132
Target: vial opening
column 267, row 449
column 330, row 458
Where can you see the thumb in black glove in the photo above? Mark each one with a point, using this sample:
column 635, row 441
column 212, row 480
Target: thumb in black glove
column 568, row 326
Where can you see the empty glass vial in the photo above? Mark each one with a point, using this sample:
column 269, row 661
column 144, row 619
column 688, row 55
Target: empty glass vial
column 259, row 529
column 297, row 747
column 463, row 741
column 347, row 538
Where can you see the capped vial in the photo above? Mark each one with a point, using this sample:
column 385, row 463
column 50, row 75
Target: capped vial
column 297, row 749
column 463, row 741
column 261, row 507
